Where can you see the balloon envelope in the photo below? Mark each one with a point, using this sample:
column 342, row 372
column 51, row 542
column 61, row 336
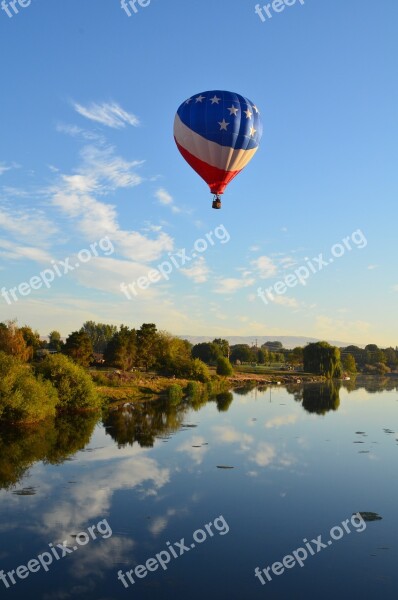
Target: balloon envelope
column 218, row 133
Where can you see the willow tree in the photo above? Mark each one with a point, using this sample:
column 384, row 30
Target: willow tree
column 321, row 358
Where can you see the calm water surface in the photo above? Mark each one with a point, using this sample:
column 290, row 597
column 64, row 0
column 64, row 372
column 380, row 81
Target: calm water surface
column 304, row 459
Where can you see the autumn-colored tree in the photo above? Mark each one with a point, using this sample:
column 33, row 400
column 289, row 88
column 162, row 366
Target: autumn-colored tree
column 12, row 341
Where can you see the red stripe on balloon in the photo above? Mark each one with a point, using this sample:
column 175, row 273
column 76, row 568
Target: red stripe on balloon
column 216, row 179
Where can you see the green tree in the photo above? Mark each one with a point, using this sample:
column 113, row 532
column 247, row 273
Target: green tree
column 54, row 341
column 173, row 355
column 223, row 345
column 243, row 353
column 76, row 390
column 121, row 351
column 208, row 352
column 23, row 398
column 322, row 359
column 147, row 340
column 349, row 363
column 32, row 339
column 224, row 367
column 99, row 333
column 296, row 356
column 78, row 346
column 391, row 357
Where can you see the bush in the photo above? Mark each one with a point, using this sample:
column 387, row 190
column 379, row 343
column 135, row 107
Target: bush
column 175, row 393
column 199, row 371
column 224, row 367
column 23, row 398
column 76, row 390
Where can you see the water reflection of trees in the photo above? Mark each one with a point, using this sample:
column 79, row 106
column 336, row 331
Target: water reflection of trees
column 321, row 398
column 50, row 441
column 144, row 422
column 377, row 384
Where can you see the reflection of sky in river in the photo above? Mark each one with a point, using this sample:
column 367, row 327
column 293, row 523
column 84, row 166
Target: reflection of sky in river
column 295, row 474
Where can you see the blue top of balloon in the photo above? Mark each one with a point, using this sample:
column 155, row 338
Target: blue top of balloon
column 223, row 117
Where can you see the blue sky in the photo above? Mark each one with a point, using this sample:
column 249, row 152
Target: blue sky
column 87, row 152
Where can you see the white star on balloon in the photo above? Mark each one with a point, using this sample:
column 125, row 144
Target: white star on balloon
column 223, row 125
column 200, row 98
column 252, row 131
column 233, row 111
column 188, row 101
column 248, row 113
column 215, row 100
column 256, row 109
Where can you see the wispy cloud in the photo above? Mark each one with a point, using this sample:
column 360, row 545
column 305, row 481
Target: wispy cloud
column 102, row 172
column 198, row 272
column 7, row 167
column 166, row 199
column 109, row 114
column 14, row 251
column 230, row 285
column 26, row 224
column 281, row 420
column 78, row 132
column 285, row 301
column 265, row 267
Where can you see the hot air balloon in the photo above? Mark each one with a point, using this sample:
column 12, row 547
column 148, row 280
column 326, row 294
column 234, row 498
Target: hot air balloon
column 218, row 133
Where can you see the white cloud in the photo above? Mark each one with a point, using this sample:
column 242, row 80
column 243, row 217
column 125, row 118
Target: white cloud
column 194, row 448
column 288, row 262
column 27, row 224
column 101, row 173
column 264, row 455
column 75, row 131
column 166, row 199
column 265, row 267
column 14, row 251
column 372, row 267
column 109, row 114
column 282, row 420
column 230, row 285
column 198, row 272
column 285, row 301
column 229, row 435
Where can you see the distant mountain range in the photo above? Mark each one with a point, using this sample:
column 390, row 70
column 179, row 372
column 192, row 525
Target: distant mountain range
column 288, row 341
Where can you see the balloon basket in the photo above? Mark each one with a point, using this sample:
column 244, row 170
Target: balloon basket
column 216, row 202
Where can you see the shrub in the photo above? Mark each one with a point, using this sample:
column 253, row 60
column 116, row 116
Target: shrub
column 224, row 367
column 199, row 371
column 76, row 390
column 23, row 398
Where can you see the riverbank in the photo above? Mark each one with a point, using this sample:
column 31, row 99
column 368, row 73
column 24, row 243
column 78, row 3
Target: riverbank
column 144, row 386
